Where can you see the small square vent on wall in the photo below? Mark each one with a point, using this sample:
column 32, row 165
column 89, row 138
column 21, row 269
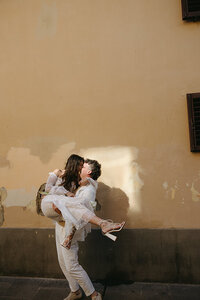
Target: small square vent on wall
column 191, row 10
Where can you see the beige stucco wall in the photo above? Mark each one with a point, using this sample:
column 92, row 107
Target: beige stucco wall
column 106, row 79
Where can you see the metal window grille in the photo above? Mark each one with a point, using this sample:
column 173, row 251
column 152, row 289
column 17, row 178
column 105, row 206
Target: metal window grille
column 191, row 10
column 193, row 103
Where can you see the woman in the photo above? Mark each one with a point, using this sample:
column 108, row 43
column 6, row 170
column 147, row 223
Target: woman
column 77, row 214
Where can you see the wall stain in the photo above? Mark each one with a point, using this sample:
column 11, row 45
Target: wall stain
column 4, row 162
column 45, row 147
column 165, row 185
column 195, row 194
column 21, row 197
column 47, row 21
column 173, row 192
column 170, row 191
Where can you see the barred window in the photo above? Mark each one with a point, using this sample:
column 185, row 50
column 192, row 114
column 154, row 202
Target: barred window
column 193, row 103
column 191, row 10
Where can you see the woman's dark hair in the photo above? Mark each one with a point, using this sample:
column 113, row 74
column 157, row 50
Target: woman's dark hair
column 72, row 172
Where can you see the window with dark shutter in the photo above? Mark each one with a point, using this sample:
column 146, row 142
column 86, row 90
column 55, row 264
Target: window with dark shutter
column 193, row 103
column 191, row 10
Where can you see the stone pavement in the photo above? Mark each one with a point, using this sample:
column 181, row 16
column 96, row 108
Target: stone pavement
column 24, row 288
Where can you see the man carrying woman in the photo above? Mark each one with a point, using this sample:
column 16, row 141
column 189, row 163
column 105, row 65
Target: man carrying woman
column 73, row 216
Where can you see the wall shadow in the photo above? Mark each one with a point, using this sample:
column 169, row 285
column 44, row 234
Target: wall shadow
column 3, row 195
column 112, row 203
column 39, row 199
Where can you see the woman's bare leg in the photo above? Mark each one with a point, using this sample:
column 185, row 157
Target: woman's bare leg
column 68, row 241
column 56, row 209
column 105, row 226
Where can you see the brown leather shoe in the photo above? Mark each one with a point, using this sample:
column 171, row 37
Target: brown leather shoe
column 74, row 295
column 97, row 297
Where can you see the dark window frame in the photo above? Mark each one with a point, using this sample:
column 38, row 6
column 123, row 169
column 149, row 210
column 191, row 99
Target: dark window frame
column 189, row 15
column 194, row 120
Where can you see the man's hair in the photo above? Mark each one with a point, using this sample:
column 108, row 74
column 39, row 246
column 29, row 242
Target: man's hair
column 95, row 168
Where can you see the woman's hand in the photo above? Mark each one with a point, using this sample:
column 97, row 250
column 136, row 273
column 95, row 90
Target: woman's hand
column 69, row 194
column 59, row 173
column 62, row 173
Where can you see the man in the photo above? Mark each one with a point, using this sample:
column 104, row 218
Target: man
column 68, row 258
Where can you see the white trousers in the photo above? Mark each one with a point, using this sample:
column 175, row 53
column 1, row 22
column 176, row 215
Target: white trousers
column 68, row 261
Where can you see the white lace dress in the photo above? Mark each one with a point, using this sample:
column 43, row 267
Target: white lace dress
column 76, row 211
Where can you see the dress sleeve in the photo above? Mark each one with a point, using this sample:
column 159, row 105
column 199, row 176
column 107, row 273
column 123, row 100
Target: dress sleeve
column 53, row 185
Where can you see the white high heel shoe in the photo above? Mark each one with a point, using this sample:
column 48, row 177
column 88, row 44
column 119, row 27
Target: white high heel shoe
column 112, row 229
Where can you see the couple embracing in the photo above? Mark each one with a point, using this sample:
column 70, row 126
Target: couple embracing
column 70, row 202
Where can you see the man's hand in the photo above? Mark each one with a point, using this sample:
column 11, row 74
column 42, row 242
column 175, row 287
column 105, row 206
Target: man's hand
column 69, row 194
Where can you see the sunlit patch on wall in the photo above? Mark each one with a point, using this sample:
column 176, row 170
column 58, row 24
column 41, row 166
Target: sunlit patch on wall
column 119, row 169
